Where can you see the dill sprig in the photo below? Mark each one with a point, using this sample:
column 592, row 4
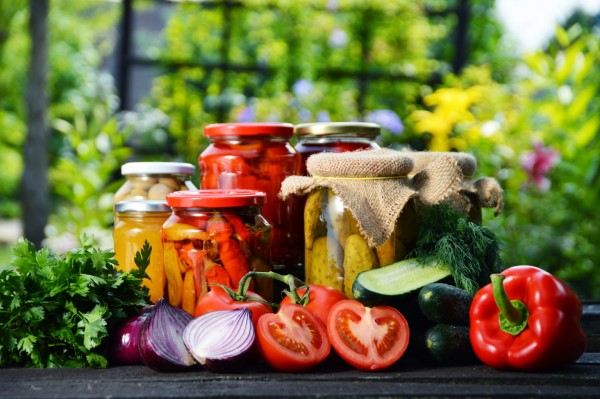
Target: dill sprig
column 471, row 251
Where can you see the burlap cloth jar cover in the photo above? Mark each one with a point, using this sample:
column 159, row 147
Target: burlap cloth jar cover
column 375, row 185
column 484, row 192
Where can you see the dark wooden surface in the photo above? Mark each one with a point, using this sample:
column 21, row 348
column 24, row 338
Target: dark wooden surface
column 409, row 378
column 330, row 380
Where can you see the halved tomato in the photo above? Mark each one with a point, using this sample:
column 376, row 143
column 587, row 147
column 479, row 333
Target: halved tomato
column 367, row 338
column 292, row 339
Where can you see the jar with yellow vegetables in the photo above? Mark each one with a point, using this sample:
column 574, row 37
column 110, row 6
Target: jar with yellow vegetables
column 138, row 222
column 214, row 237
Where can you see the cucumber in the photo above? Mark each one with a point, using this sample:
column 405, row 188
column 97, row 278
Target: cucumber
column 388, row 284
column 445, row 303
column 450, row 345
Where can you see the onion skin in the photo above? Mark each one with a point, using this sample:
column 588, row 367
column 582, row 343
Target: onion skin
column 124, row 342
column 161, row 344
column 223, row 340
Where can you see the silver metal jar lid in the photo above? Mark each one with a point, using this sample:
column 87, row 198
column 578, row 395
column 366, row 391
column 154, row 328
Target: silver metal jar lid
column 142, row 206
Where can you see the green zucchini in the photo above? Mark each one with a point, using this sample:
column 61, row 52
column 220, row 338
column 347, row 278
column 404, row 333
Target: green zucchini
column 450, row 345
column 388, row 284
column 445, row 303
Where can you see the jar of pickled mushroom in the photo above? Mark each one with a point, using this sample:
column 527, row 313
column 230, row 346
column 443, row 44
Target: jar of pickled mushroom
column 259, row 156
column 138, row 222
column 214, row 237
column 335, row 137
column 154, row 180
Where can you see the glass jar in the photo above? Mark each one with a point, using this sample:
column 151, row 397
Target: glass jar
column 214, row 237
column 334, row 137
column 259, row 156
column 335, row 250
column 140, row 221
column 154, row 180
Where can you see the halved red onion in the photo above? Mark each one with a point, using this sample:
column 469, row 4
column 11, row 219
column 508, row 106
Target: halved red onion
column 161, row 343
column 124, row 341
column 222, row 340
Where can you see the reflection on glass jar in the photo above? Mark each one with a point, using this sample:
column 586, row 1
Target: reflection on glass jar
column 258, row 156
column 138, row 222
column 214, row 237
column 335, row 250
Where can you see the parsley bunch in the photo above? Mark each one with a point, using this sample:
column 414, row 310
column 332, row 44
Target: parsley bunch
column 57, row 312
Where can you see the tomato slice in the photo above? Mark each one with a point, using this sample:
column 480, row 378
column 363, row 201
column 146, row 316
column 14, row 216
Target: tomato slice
column 293, row 339
column 320, row 300
column 367, row 338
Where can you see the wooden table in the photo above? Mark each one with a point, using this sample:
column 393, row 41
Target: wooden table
column 329, row 380
column 409, row 378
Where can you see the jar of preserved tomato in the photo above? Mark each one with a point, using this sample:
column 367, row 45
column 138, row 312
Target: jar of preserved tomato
column 138, row 222
column 214, row 237
column 335, row 137
column 259, row 156
column 154, row 180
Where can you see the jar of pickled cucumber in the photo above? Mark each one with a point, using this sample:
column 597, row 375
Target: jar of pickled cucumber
column 259, row 156
column 334, row 137
column 138, row 222
column 214, row 237
column 154, row 180
column 335, row 249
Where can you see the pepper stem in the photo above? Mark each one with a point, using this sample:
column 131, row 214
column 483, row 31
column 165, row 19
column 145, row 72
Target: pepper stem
column 513, row 313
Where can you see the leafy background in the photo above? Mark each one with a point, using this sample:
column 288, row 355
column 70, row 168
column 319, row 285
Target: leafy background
column 532, row 121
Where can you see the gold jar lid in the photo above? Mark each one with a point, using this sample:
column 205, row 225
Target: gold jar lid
column 358, row 129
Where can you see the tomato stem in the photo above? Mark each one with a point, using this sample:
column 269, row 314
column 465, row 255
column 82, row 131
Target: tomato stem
column 289, row 279
column 241, row 296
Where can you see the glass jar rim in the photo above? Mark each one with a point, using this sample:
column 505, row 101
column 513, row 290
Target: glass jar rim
column 249, row 129
column 157, row 168
column 216, row 198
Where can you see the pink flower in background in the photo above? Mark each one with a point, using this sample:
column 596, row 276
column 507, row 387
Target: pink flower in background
column 538, row 163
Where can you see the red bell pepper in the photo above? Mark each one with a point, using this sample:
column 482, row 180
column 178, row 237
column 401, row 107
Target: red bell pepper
column 537, row 328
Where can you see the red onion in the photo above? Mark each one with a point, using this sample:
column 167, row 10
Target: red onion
column 124, row 342
column 222, row 340
column 161, row 344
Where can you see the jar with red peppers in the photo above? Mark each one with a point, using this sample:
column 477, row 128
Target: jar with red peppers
column 259, row 156
column 335, row 137
column 214, row 237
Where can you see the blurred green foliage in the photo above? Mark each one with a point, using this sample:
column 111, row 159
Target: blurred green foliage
column 538, row 135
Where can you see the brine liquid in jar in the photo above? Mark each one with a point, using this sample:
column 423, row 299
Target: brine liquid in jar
column 140, row 222
column 259, row 156
column 214, row 237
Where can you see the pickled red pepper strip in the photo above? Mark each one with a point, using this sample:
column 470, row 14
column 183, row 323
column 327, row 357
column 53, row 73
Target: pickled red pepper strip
column 239, row 228
column 526, row 319
column 233, row 260
column 216, row 274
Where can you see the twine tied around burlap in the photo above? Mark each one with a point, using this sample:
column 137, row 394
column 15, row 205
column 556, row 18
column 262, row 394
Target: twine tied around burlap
column 375, row 185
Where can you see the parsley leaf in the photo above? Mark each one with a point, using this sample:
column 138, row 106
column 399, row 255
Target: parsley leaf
column 57, row 312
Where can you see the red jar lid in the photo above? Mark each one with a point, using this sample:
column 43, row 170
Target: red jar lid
column 216, row 198
column 249, row 129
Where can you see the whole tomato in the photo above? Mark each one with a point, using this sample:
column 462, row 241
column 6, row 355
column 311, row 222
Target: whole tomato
column 292, row 340
column 218, row 299
column 320, row 300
